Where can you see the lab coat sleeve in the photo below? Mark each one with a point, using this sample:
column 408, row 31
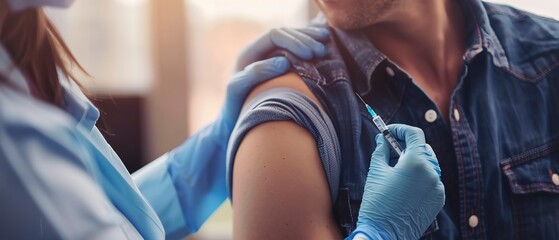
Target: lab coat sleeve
column 47, row 186
column 186, row 185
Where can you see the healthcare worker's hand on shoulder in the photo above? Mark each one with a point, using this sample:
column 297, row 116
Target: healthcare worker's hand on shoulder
column 305, row 43
column 197, row 167
column 400, row 202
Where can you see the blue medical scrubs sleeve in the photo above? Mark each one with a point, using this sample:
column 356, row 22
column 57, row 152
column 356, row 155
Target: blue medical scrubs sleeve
column 158, row 189
column 189, row 180
column 47, row 181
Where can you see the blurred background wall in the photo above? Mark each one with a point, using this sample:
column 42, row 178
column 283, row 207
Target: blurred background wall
column 159, row 67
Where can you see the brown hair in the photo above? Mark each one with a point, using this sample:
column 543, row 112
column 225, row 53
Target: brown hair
column 38, row 50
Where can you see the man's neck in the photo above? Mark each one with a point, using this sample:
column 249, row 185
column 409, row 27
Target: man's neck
column 427, row 40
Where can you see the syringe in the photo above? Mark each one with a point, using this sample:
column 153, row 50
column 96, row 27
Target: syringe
column 383, row 128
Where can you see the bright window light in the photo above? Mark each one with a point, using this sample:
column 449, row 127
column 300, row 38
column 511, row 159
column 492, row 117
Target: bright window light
column 541, row 7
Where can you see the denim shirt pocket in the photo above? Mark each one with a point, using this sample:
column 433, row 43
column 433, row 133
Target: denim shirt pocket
column 534, row 182
column 533, row 170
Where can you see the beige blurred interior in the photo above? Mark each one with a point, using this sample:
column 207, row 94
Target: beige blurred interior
column 160, row 67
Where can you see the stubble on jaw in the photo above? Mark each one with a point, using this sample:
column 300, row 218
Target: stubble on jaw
column 360, row 14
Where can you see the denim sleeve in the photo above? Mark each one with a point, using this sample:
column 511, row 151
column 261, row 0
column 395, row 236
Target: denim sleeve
column 284, row 104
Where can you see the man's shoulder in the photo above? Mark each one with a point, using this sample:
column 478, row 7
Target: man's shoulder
column 530, row 42
column 324, row 70
column 516, row 22
column 507, row 11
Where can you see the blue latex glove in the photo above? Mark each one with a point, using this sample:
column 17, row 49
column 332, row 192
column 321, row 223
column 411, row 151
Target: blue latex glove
column 400, row 202
column 197, row 167
column 305, row 43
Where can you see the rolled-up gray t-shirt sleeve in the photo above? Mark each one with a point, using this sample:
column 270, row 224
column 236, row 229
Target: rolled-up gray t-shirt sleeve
column 286, row 104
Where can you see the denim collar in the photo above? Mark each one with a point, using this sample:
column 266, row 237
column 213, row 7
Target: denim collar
column 367, row 58
column 483, row 36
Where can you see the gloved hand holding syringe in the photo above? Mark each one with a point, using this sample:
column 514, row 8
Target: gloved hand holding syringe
column 400, row 201
column 383, row 128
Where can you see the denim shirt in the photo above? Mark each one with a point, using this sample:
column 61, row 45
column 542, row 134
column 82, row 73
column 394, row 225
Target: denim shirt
column 499, row 152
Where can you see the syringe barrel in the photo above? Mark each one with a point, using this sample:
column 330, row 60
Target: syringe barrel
column 388, row 135
column 380, row 124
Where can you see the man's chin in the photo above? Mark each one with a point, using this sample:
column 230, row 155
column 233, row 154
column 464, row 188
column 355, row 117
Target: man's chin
column 344, row 25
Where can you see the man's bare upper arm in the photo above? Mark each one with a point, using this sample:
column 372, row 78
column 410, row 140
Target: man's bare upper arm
column 280, row 189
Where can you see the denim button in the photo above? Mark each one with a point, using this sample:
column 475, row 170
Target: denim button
column 390, row 71
column 555, row 179
column 430, row 115
column 456, row 114
column 473, row 221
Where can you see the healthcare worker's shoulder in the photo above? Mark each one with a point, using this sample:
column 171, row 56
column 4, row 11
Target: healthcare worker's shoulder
column 21, row 114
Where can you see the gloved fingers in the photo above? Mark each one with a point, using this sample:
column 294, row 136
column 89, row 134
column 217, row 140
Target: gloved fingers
column 435, row 165
column 429, row 150
column 284, row 38
column 244, row 81
column 381, row 155
column 302, row 43
column 413, row 136
column 254, row 51
column 442, row 194
column 420, row 160
column 432, row 158
column 438, row 170
column 431, row 154
column 317, row 49
column 275, row 65
column 317, row 33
